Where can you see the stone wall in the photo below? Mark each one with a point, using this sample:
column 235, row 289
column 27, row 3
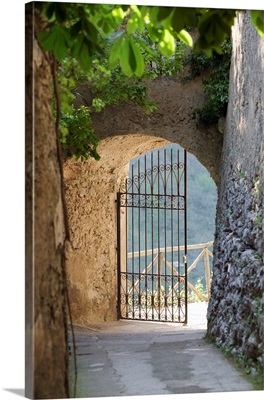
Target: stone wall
column 235, row 313
column 173, row 121
column 46, row 325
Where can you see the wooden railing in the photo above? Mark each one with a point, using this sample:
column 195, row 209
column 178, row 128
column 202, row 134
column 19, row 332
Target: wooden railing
column 160, row 258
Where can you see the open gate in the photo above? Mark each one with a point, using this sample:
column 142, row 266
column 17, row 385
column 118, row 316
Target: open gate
column 152, row 238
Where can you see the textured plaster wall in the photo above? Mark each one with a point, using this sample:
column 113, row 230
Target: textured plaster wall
column 91, row 189
column 235, row 314
column 173, row 120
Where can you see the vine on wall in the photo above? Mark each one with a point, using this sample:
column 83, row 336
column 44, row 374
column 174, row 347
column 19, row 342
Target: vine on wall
column 215, row 83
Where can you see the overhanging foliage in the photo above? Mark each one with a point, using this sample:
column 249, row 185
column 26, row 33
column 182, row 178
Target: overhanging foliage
column 114, row 46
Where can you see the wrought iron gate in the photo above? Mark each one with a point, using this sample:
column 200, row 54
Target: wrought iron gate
column 151, row 222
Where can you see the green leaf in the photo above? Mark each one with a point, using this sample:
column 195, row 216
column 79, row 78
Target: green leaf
column 185, row 37
column 115, row 53
column 61, row 45
column 153, row 32
column 257, row 18
column 57, row 39
column 131, row 60
column 46, row 40
column 144, row 11
column 119, row 14
column 57, row 11
column 164, row 13
column 183, row 17
column 153, row 15
column 90, row 30
column 98, row 104
column 76, row 48
column 145, row 47
column 167, row 43
column 125, row 58
column 64, row 132
column 214, row 26
column 81, row 51
column 107, row 27
column 134, row 23
column 85, row 60
column 140, row 65
column 132, row 57
column 136, row 10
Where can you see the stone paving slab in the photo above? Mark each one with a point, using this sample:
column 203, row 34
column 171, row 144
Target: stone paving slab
column 132, row 358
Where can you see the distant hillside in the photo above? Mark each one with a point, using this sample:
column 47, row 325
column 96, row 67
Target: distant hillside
column 202, row 197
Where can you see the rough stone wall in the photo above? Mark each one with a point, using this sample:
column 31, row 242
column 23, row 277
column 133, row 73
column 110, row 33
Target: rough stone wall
column 46, row 328
column 235, row 313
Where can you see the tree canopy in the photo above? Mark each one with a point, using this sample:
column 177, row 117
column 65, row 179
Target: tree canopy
column 115, row 48
column 82, row 29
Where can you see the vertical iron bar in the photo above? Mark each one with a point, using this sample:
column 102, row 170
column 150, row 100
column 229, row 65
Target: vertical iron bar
column 152, row 211
column 172, row 240
column 185, row 233
column 133, row 261
column 139, row 238
column 118, row 257
column 127, row 247
column 165, row 235
column 159, row 284
column 159, row 262
column 179, row 256
column 146, row 240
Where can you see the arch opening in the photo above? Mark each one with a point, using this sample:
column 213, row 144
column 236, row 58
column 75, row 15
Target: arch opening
column 91, row 189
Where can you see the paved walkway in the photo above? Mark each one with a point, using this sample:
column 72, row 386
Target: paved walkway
column 128, row 358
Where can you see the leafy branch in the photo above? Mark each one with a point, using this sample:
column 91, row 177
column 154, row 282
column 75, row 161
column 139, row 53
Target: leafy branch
column 215, row 84
column 116, row 47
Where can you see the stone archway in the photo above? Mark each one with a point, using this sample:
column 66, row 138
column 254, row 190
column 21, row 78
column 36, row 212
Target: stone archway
column 174, row 120
column 125, row 132
column 91, row 188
